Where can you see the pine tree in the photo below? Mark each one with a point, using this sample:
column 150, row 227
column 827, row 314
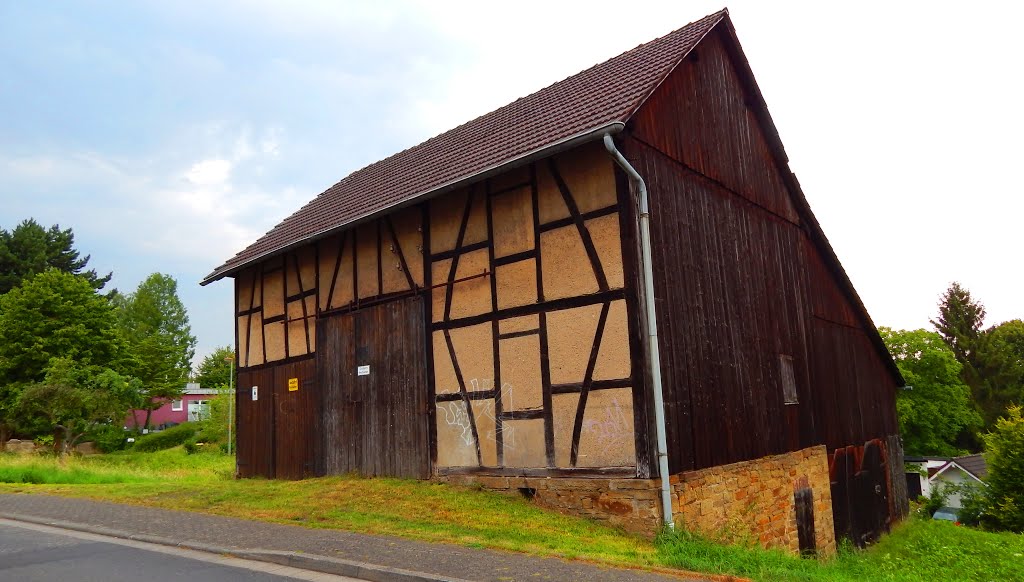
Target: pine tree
column 959, row 323
column 30, row 249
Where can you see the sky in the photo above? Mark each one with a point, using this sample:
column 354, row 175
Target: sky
column 170, row 135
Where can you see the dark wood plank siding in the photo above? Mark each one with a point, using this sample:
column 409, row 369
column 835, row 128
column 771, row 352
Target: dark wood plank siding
column 374, row 424
column 712, row 130
column 255, row 421
column 340, row 409
column 739, row 284
column 730, row 294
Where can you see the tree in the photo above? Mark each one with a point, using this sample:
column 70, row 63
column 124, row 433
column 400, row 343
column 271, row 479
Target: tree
column 960, row 321
column 30, row 249
column 74, row 398
column 937, row 407
column 215, row 369
column 1004, row 456
column 51, row 315
column 1000, row 366
column 156, row 327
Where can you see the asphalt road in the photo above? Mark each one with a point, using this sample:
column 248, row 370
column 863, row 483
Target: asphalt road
column 32, row 553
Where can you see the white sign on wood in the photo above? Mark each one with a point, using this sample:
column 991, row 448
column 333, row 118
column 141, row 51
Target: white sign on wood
column 363, row 371
column 255, row 392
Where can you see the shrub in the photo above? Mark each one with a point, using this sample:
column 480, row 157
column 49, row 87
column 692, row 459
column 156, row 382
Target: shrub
column 937, row 500
column 973, row 504
column 1004, row 454
column 166, row 439
column 191, row 447
column 215, row 426
column 109, row 438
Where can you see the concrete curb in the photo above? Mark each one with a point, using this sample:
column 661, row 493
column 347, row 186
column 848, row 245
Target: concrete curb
column 316, row 563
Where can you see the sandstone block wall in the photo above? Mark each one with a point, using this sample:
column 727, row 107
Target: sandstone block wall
column 751, row 501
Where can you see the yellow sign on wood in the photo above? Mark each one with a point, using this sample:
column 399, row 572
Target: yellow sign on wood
column 293, row 384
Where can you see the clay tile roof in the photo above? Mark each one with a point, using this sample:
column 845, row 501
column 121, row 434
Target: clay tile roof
column 598, row 97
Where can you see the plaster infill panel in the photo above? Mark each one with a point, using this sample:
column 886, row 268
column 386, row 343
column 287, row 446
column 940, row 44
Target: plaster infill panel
column 474, row 353
column 274, row 338
column 521, row 386
column 563, row 417
column 392, row 273
column 483, row 416
column 512, row 222
column 307, row 268
column 327, row 255
column 242, row 322
column 409, row 230
column 439, row 294
column 613, row 358
column 445, row 381
column 366, row 261
column 296, row 338
column 243, row 289
column 604, row 232
column 524, row 445
column 607, row 438
column 343, row 288
column 456, row 446
column 550, row 204
column 273, row 293
column 472, row 296
column 565, row 265
column 516, row 283
column 589, row 173
column 255, row 356
column 446, row 214
column 570, row 338
column 515, row 324
column 510, row 179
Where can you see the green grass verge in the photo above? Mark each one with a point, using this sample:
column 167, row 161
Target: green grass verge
column 916, row 550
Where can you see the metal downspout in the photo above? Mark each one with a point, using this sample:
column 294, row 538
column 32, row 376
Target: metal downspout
column 652, row 327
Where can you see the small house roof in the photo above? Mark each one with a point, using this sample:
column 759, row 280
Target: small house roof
column 974, row 464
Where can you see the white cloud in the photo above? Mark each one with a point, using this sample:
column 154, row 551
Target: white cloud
column 209, row 172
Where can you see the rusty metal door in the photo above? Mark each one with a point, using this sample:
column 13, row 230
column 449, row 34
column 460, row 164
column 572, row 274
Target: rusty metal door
column 371, row 370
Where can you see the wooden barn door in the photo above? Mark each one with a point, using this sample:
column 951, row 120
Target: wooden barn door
column 255, row 422
column 295, row 402
column 371, row 370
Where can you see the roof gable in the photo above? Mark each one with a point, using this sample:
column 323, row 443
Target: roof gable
column 599, row 98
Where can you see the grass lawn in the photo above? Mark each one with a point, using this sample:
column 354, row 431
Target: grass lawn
column 916, row 550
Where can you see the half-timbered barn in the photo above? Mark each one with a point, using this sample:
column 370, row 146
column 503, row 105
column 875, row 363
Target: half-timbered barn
column 610, row 295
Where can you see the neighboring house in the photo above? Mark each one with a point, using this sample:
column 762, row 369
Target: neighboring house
column 194, row 405
column 481, row 308
column 926, row 475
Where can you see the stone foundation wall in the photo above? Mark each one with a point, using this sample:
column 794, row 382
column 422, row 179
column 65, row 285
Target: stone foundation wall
column 747, row 501
column 632, row 504
column 754, row 500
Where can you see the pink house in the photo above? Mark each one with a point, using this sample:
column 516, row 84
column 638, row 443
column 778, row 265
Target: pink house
column 193, row 405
